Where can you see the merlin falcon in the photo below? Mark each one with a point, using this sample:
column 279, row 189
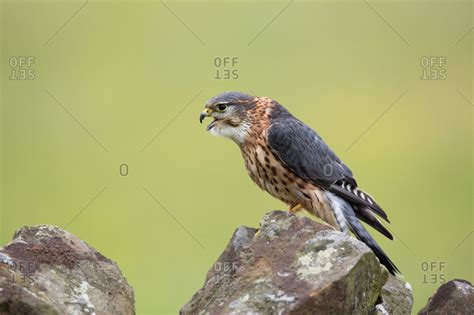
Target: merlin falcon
column 289, row 160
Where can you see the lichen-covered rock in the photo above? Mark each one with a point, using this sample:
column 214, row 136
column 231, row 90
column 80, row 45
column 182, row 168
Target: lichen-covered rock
column 46, row 270
column 396, row 297
column 453, row 297
column 292, row 265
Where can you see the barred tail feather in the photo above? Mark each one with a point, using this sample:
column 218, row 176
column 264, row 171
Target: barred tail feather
column 356, row 196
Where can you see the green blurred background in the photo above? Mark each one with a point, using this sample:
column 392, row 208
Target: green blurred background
column 123, row 83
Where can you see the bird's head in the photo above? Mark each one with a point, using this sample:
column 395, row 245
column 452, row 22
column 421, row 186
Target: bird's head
column 230, row 111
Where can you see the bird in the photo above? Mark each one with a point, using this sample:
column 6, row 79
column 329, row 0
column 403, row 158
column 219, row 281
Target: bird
column 289, row 160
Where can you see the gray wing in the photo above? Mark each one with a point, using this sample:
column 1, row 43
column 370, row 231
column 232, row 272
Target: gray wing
column 303, row 151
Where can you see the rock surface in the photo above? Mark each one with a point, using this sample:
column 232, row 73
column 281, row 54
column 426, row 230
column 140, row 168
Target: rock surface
column 395, row 298
column 46, row 270
column 293, row 265
column 453, row 297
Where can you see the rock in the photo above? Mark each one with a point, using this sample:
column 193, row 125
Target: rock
column 453, row 297
column 46, row 270
column 293, row 265
column 396, row 297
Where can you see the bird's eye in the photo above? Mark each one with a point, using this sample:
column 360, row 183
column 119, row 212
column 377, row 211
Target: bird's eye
column 222, row 107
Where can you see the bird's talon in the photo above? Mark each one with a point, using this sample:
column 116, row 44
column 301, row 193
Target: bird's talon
column 295, row 208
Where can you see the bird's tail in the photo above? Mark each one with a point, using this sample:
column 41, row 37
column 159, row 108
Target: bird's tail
column 361, row 233
column 351, row 221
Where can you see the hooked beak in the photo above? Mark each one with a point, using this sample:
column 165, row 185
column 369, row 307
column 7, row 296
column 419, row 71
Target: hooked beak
column 205, row 113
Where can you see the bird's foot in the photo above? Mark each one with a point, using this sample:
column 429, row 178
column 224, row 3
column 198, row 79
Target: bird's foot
column 295, row 208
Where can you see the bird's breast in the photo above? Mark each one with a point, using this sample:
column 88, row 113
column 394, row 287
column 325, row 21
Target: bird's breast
column 267, row 171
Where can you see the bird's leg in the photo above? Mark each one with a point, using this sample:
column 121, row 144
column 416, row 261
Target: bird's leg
column 294, row 208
